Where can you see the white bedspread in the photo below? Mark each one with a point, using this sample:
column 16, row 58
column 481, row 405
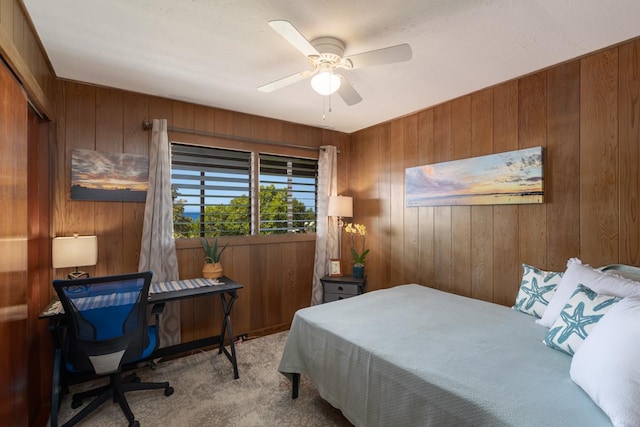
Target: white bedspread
column 416, row 356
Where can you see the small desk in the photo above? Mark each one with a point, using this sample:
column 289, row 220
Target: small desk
column 228, row 292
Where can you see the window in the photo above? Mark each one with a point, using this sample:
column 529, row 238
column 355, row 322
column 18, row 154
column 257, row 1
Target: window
column 287, row 194
column 213, row 193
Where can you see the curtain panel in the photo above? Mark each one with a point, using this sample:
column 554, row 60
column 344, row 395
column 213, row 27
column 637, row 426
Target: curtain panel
column 326, row 227
column 158, row 250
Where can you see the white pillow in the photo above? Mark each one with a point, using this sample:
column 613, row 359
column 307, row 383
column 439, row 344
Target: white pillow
column 536, row 289
column 577, row 319
column 578, row 273
column 606, row 365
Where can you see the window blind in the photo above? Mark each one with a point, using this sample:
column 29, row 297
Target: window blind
column 211, row 191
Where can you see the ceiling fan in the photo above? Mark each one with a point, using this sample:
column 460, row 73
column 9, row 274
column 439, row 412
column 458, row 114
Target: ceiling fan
column 326, row 56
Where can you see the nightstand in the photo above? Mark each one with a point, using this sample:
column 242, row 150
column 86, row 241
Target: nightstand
column 341, row 287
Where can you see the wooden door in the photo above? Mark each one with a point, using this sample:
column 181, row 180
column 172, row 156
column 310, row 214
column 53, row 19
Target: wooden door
column 13, row 251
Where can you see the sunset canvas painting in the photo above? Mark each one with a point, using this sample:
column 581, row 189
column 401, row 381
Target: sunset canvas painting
column 108, row 176
column 514, row 177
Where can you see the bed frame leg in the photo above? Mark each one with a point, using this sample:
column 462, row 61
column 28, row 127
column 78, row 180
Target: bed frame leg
column 295, row 386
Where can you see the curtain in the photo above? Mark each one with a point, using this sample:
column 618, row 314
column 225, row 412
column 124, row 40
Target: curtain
column 158, row 250
column 326, row 227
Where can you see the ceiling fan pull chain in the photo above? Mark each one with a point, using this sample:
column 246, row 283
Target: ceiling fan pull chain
column 323, row 114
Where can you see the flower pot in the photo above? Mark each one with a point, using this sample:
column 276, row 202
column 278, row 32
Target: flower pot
column 358, row 271
column 212, row 270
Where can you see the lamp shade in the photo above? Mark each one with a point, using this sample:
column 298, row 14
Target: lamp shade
column 325, row 83
column 74, row 251
column 341, row 206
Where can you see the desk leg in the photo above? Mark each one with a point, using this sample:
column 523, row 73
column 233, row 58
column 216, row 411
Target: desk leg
column 227, row 305
column 55, row 387
column 56, row 380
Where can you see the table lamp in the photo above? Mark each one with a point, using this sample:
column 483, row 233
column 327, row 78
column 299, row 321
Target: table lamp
column 75, row 251
column 341, row 207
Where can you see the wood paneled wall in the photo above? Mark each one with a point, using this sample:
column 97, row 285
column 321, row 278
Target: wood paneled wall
column 275, row 270
column 586, row 115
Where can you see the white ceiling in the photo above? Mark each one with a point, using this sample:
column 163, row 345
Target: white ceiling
column 217, row 52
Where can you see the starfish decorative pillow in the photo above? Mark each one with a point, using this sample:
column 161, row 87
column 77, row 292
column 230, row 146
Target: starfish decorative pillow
column 536, row 289
column 581, row 314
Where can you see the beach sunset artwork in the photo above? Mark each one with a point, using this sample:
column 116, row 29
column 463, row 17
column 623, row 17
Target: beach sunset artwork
column 514, row 177
column 113, row 177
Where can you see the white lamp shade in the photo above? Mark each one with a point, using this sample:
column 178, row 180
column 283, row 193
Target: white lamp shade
column 75, row 251
column 341, row 206
column 325, row 83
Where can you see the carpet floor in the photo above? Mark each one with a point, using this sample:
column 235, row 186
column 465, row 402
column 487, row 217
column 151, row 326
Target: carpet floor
column 207, row 395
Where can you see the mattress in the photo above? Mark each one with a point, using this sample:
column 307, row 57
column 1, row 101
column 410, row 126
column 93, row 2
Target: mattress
column 412, row 355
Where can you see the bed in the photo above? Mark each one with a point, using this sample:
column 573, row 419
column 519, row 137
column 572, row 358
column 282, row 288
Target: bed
column 413, row 355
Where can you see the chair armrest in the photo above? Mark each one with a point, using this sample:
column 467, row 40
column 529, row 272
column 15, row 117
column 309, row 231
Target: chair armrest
column 157, row 309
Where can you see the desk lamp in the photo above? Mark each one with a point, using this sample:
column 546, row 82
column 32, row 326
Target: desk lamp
column 75, row 251
column 342, row 207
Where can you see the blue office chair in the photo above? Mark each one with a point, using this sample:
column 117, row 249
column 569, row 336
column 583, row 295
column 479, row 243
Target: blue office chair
column 107, row 329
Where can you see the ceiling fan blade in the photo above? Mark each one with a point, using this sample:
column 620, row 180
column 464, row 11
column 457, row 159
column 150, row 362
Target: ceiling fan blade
column 347, row 92
column 285, row 81
column 293, row 36
column 387, row 55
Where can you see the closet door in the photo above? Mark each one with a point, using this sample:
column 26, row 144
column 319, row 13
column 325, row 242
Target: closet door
column 13, row 251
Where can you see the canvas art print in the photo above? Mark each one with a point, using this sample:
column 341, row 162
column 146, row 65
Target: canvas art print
column 513, row 177
column 114, row 177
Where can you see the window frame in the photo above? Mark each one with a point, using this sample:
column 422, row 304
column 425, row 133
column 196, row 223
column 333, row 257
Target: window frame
column 255, row 148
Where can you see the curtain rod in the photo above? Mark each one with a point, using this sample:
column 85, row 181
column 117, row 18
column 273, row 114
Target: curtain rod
column 148, row 125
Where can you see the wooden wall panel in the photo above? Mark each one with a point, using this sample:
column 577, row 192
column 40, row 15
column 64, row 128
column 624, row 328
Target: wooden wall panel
column 426, row 237
column 41, row 149
column 443, row 245
column 562, row 176
column 135, row 141
column 241, row 274
column 599, row 183
column 108, row 219
column 381, row 209
column 585, row 115
column 461, row 215
column 411, row 228
column 79, row 132
column 506, row 248
column 629, row 154
column 482, row 216
column 532, row 121
column 396, row 205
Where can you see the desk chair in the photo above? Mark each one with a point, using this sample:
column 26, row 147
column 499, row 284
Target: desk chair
column 107, row 329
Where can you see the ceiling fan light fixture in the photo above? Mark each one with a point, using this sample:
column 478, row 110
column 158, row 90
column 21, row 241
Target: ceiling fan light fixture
column 325, row 83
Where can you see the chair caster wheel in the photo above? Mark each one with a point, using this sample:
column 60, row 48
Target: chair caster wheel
column 76, row 403
column 134, row 423
column 168, row 391
column 136, row 380
column 153, row 365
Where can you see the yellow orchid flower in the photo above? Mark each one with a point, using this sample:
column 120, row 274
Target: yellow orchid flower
column 353, row 229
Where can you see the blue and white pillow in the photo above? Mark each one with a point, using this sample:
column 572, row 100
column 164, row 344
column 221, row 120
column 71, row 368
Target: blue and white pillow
column 536, row 290
column 581, row 314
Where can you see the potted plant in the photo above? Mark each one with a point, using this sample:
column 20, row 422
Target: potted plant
column 358, row 256
column 212, row 268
